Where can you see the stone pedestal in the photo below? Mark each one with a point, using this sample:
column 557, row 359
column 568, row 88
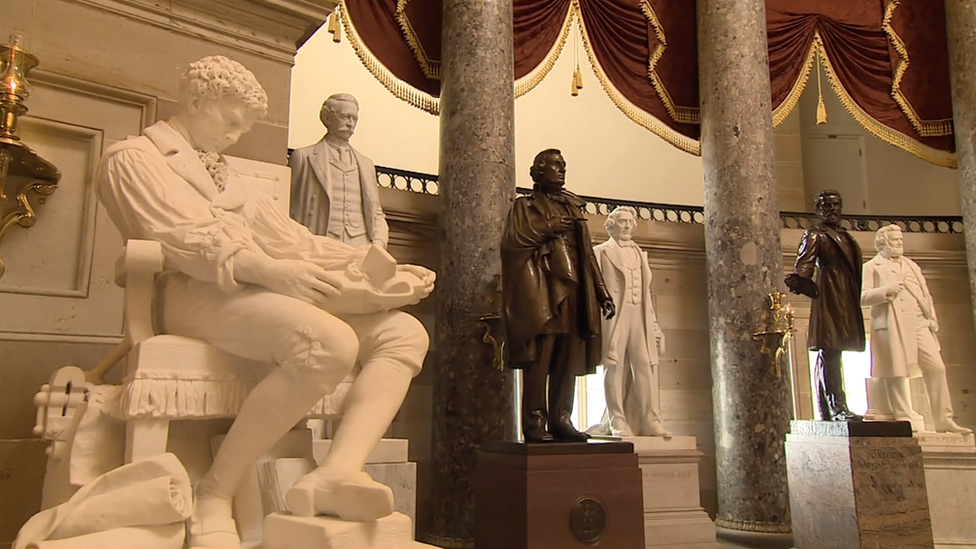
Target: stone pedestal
column 857, row 485
column 558, row 496
column 744, row 263
column 286, row 531
column 673, row 515
column 950, row 480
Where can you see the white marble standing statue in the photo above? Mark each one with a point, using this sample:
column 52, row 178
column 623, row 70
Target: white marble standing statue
column 333, row 186
column 632, row 339
column 903, row 326
column 254, row 283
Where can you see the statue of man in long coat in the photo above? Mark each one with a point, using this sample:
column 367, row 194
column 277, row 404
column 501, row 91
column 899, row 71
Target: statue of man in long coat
column 553, row 295
column 836, row 322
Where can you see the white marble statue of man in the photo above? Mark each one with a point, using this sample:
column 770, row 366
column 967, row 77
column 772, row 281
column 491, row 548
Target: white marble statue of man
column 903, row 326
column 333, row 186
column 632, row 339
column 253, row 282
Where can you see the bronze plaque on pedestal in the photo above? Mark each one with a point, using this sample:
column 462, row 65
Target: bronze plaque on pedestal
column 558, row 496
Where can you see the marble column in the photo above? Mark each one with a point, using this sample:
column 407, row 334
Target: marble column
column 961, row 34
column 752, row 407
column 473, row 399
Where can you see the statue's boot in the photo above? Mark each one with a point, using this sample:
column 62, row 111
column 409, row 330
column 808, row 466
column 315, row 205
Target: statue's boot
column 830, row 387
column 339, row 487
column 620, row 428
column 562, row 393
column 349, row 496
column 839, row 411
column 534, row 426
column 948, row 425
column 656, row 429
column 211, row 526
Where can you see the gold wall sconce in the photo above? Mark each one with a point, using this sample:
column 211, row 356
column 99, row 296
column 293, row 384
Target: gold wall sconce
column 21, row 169
column 774, row 339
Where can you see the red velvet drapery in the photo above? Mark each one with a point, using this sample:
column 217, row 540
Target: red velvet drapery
column 886, row 59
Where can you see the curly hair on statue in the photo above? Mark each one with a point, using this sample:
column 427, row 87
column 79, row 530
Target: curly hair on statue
column 219, row 77
column 881, row 236
column 612, row 218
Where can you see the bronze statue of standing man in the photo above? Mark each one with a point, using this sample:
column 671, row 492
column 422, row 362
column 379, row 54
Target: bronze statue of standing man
column 553, row 296
column 836, row 322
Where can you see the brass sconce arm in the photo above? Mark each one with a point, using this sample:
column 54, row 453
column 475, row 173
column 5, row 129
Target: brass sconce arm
column 21, row 169
column 775, row 338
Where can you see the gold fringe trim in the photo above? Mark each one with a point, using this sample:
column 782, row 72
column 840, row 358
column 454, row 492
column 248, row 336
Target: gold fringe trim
column 783, row 111
column 888, row 135
column 399, row 88
column 683, row 115
column 925, row 128
column 431, row 68
column 528, row 82
column 633, row 112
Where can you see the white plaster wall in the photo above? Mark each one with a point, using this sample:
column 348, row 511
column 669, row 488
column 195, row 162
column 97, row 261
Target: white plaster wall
column 607, row 154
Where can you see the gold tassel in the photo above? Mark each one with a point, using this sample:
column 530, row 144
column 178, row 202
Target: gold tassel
column 577, row 75
column 335, row 29
column 821, row 106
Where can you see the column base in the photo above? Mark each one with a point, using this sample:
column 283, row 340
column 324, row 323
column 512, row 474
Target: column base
column 763, row 540
column 950, row 480
column 857, row 485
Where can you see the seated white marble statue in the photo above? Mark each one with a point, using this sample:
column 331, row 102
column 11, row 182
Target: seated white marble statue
column 903, row 326
column 632, row 339
column 333, row 186
column 254, row 283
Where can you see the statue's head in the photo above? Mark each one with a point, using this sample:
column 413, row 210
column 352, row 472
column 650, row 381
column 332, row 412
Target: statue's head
column 829, row 207
column 549, row 169
column 621, row 223
column 220, row 100
column 889, row 241
column 340, row 115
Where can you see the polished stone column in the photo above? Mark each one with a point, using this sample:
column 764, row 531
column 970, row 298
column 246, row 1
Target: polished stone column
column 473, row 399
column 961, row 34
column 752, row 407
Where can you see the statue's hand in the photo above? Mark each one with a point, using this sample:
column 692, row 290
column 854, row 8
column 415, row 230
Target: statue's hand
column 892, row 290
column 934, row 325
column 801, row 285
column 426, row 275
column 608, row 309
column 302, row 280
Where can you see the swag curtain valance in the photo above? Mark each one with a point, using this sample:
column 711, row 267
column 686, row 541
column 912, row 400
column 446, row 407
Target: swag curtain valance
column 886, row 59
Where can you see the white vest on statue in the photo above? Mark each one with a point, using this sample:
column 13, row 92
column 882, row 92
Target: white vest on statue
column 347, row 221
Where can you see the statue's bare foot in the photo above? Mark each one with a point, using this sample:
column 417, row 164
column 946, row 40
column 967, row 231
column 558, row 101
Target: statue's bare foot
column 349, row 496
column 211, row 526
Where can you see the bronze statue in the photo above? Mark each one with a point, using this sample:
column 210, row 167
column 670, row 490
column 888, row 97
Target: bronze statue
column 836, row 322
column 553, row 296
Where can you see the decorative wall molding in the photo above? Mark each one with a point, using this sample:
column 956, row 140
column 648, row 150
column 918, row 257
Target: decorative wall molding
column 84, row 234
column 146, row 103
column 269, row 28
